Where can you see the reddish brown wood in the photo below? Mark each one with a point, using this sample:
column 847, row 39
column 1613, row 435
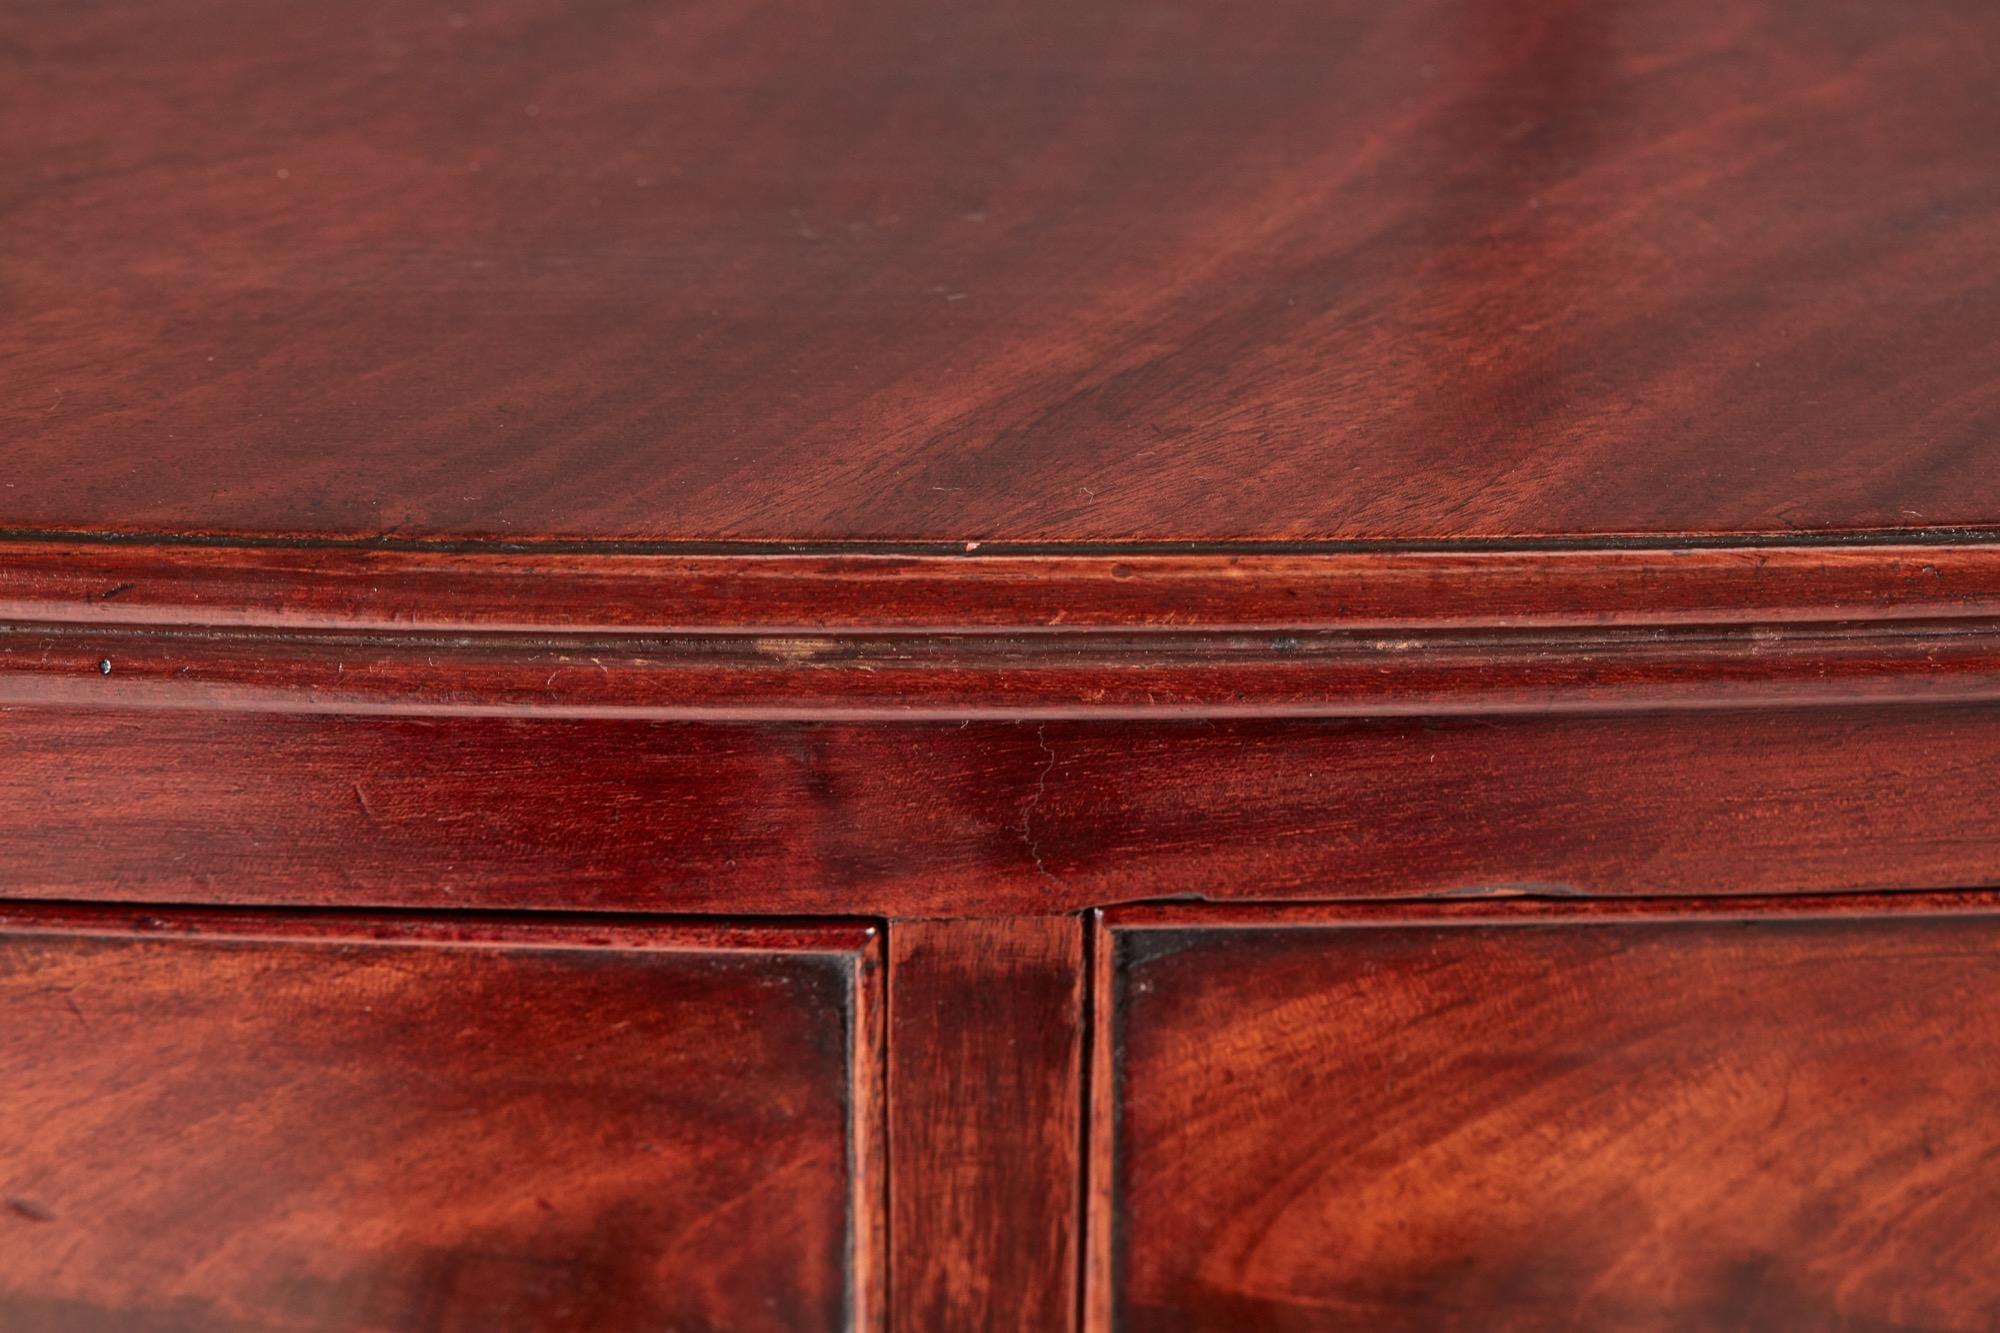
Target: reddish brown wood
column 1546, row 1116
column 985, row 1061
column 986, row 818
column 1022, row 677
column 515, row 269
column 223, row 1121
column 1235, row 588
column 976, row 463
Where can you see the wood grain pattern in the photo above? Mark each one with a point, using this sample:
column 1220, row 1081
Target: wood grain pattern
column 1177, row 269
column 985, row 1063
column 965, row 464
column 1018, row 677
column 408, row 589
column 1551, row 1117
column 986, row 818
column 238, row 1121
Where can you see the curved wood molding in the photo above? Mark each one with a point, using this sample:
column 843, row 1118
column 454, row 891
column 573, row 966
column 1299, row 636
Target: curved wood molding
column 862, row 634
column 1084, row 675
column 1250, row 587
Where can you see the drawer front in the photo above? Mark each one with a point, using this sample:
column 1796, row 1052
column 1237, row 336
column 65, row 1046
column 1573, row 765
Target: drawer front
column 1522, row 1116
column 232, row 1122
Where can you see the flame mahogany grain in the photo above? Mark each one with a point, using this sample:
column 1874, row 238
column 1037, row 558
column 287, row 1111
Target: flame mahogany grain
column 279, row 1122
column 806, row 270
column 1765, row 1115
column 966, row 466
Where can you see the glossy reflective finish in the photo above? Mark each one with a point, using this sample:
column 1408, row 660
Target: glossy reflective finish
column 987, row 818
column 235, row 1122
column 1549, row 1117
column 966, row 467
column 1034, row 679
column 986, row 1108
column 1179, row 269
column 400, row 590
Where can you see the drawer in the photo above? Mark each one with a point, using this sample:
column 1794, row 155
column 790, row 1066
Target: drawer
column 1521, row 1115
column 213, row 1122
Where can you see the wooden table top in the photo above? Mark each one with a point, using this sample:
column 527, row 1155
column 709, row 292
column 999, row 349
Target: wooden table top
column 1162, row 271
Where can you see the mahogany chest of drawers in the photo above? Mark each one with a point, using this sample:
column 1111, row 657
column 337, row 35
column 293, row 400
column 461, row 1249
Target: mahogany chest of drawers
column 1159, row 665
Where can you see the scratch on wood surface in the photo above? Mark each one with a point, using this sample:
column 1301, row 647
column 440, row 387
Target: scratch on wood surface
column 1034, row 802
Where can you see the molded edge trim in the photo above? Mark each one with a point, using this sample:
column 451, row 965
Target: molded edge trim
column 866, row 634
column 866, row 591
column 1028, row 677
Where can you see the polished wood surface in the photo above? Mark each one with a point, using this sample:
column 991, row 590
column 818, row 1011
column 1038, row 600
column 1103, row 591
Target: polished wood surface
column 959, row 677
column 986, row 1102
column 905, row 477
column 522, row 270
column 910, row 637
column 986, row 818
column 1536, row 1116
column 393, row 592
column 221, row 1122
